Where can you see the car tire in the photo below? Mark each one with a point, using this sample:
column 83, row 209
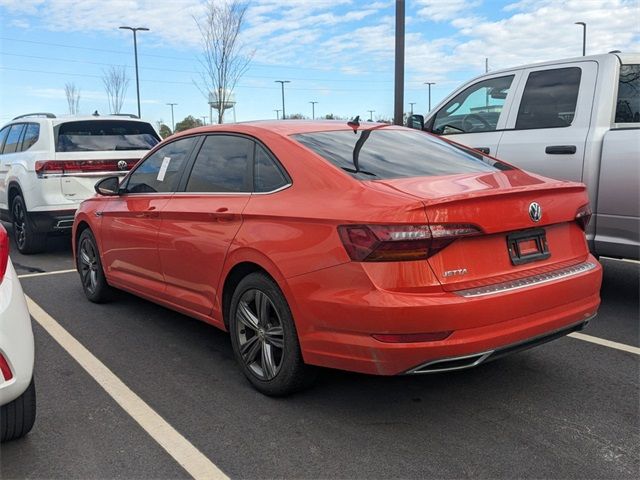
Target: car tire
column 265, row 340
column 17, row 417
column 94, row 282
column 27, row 239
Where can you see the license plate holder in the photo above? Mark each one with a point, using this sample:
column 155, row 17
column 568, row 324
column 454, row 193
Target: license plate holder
column 528, row 246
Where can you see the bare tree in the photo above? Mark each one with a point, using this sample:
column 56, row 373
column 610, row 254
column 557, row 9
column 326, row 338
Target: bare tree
column 73, row 97
column 223, row 59
column 115, row 84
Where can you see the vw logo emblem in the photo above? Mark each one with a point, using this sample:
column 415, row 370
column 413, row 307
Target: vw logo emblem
column 122, row 165
column 535, row 211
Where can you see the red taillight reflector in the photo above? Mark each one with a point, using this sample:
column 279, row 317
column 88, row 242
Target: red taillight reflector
column 411, row 337
column 583, row 216
column 389, row 243
column 4, row 252
column 4, row 368
column 48, row 167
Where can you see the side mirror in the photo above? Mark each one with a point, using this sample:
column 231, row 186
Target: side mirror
column 108, row 187
column 416, row 121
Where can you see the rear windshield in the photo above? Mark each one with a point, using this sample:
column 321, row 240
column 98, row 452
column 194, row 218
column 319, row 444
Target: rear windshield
column 628, row 104
column 393, row 153
column 105, row 135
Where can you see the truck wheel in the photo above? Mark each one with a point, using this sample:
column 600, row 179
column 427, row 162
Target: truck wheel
column 27, row 239
column 17, row 417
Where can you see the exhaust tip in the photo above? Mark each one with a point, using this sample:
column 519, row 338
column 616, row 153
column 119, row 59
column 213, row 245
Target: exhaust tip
column 450, row 364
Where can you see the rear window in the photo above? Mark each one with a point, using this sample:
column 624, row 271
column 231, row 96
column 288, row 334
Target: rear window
column 105, row 135
column 395, row 153
column 628, row 104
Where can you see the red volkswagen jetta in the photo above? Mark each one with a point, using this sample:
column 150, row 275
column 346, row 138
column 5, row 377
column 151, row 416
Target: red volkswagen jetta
column 371, row 248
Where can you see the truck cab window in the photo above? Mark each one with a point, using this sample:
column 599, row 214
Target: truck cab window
column 549, row 99
column 475, row 109
column 628, row 102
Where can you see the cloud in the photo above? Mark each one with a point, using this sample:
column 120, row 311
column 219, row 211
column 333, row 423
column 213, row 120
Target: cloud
column 442, row 10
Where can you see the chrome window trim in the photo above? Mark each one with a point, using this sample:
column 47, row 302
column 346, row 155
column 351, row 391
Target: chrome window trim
column 526, row 281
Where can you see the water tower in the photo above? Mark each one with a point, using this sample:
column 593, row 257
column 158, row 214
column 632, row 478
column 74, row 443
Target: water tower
column 216, row 103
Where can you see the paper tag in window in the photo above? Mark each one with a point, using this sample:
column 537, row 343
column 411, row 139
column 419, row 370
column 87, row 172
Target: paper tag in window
column 163, row 168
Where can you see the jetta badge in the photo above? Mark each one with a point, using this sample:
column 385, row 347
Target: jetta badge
column 122, row 165
column 535, row 211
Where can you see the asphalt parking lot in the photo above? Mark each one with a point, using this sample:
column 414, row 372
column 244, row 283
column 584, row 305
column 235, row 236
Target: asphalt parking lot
column 567, row 409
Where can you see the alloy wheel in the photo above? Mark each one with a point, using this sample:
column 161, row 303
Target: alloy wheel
column 260, row 334
column 88, row 265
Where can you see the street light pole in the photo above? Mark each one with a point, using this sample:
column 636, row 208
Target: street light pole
column 412, row 104
column 429, row 85
column 313, row 110
column 282, row 82
column 173, row 123
column 204, row 119
column 399, row 64
column 371, row 115
column 277, row 114
column 135, row 54
column 584, row 37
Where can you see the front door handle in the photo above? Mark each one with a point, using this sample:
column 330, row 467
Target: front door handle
column 485, row 150
column 560, row 149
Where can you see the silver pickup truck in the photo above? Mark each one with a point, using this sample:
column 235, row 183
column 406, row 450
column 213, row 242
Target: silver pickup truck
column 575, row 119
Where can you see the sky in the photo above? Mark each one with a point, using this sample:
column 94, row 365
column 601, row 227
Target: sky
column 339, row 53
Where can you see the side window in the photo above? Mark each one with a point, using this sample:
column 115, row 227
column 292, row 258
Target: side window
column 3, row 136
column 222, row 165
column 549, row 99
column 160, row 172
column 31, row 135
column 267, row 175
column 11, row 145
column 475, row 109
column 628, row 104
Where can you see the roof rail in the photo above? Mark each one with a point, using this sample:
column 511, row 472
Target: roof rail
column 37, row 114
column 130, row 115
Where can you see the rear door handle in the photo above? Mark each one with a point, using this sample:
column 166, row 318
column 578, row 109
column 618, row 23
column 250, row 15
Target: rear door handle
column 560, row 149
column 485, row 150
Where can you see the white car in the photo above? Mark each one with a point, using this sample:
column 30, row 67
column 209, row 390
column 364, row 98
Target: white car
column 17, row 387
column 49, row 165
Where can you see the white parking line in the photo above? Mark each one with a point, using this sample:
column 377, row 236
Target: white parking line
column 42, row 274
column 606, row 343
column 183, row 451
column 628, row 260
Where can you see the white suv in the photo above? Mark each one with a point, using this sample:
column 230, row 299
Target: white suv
column 49, row 165
column 17, row 388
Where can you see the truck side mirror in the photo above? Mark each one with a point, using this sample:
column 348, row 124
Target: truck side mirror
column 416, row 121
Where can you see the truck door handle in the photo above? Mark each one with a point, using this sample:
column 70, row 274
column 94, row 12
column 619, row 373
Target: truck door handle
column 485, row 150
column 560, row 149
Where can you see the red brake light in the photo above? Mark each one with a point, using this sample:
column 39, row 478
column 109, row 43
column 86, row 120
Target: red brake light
column 393, row 243
column 4, row 252
column 49, row 167
column 583, row 216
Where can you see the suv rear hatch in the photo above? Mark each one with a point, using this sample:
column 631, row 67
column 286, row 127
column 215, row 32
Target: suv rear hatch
column 87, row 150
column 512, row 244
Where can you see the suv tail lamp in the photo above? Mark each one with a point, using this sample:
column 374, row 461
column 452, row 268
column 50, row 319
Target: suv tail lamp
column 583, row 216
column 69, row 167
column 395, row 243
column 4, row 252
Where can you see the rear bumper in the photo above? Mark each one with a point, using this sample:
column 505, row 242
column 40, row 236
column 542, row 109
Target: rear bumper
column 335, row 325
column 16, row 337
column 52, row 221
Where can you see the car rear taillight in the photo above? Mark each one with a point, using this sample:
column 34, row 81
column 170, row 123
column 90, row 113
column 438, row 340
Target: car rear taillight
column 52, row 167
column 4, row 252
column 4, row 369
column 394, row 243
column 583, row 216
